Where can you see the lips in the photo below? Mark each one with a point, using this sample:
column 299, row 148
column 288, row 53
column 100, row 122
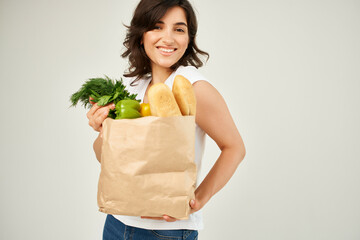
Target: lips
column 166, row 51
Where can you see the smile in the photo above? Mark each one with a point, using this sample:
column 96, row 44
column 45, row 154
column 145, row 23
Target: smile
column 167, row 50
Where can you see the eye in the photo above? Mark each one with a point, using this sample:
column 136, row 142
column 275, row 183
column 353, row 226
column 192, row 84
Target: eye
column 180, row 30
column 156, row 28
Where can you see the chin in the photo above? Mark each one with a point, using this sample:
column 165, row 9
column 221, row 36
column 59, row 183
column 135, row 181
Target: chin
column 167, row 65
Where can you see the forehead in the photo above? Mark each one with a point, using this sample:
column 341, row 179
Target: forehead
column 174, row 15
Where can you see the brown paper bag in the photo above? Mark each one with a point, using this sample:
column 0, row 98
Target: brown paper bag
column 147, row 166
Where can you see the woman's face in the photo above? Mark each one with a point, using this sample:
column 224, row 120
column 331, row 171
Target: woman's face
column 168, row 41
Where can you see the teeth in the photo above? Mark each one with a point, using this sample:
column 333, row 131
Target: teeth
column 166, row 50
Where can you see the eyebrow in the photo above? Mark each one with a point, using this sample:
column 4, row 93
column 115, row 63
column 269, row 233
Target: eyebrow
column 177, row 24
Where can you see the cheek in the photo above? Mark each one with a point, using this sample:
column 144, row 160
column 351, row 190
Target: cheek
column 184, row 42
column 148, row 39
column 148, row 43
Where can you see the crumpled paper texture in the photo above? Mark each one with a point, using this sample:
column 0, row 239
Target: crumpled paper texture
column 147, row 166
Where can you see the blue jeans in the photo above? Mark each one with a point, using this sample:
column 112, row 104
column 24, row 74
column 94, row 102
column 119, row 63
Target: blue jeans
column 116, row 230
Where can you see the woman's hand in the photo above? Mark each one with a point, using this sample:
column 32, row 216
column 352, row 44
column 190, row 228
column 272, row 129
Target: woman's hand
column 97, row 115
column 195, row 205
column 164, row 217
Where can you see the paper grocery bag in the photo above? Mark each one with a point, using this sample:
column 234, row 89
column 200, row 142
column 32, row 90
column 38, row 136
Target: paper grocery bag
column 147, row 166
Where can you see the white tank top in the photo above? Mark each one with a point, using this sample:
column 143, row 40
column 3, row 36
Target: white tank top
column 195, row 221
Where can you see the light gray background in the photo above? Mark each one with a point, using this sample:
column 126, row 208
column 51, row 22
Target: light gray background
column 289, row 71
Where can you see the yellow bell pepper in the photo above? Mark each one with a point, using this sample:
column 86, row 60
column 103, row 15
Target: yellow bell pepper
column 145, row 109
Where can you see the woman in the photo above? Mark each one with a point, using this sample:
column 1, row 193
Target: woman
column 161, row 44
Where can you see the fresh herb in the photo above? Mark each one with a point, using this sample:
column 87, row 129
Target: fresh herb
column 103, row 91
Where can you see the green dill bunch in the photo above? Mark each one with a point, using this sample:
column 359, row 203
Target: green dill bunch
column 102, row 90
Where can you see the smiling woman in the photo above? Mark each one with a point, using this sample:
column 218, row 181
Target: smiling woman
column 168, row 41
column 149, row 20
column 160, row 44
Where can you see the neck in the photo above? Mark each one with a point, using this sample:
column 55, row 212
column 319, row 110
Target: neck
column 159, row 75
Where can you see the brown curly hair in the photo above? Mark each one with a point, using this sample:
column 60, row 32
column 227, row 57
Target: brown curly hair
column 146, row 15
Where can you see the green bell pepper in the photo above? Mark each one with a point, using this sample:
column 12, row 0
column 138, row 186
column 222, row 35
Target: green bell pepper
column 127, row 108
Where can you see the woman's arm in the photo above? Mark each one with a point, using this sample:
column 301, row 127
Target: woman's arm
column 213, row 116
column 96, row 116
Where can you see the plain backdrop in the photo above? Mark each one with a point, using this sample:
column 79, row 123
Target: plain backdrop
column 288, row 70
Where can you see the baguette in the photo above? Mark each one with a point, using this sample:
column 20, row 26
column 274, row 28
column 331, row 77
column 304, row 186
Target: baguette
column 162, row 101
column 185, row 96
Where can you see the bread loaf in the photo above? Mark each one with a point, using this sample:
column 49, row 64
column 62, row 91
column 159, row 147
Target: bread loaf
column 162, row 101
column 185, row 96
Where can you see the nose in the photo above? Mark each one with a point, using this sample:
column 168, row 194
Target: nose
column 167, row 37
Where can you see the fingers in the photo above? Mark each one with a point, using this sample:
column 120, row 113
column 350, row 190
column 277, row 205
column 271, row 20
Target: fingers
column 153, row 218
column 97, row 115
column 92, row 110
column 90, row 100
column 194, row 205
column 165, row 217
column 98, row 118
column 169, row 219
